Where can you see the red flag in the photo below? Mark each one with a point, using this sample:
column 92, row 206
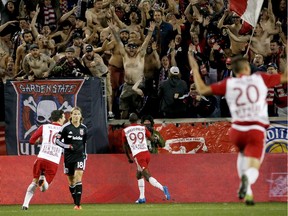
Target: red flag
column 248, row 10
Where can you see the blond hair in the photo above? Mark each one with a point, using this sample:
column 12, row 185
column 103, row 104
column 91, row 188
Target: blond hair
column 79, row 109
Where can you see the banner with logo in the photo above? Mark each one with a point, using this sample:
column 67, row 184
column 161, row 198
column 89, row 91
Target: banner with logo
column 29, row 104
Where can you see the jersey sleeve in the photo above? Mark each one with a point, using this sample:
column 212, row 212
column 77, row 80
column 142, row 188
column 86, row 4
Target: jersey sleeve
column 271, row 80
column 60, row 136
column 219, row 88
column 36, row 135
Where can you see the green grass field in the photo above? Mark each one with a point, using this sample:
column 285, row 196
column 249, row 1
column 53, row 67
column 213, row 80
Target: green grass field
column 191, row 209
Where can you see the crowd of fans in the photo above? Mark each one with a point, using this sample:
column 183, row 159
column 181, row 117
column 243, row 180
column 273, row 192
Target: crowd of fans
column 45, row 39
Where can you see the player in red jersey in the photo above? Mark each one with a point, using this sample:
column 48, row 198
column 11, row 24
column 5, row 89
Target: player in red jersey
column 46, row 164
column 134, row 136
column 246, row 97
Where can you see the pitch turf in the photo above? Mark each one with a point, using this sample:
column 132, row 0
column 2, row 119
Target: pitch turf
column 192, row 209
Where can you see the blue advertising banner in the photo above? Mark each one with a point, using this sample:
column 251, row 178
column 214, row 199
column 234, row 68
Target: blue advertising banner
column 29, row 104
column 277, row 137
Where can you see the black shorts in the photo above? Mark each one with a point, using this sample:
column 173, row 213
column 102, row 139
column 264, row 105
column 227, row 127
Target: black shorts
column 69, row 168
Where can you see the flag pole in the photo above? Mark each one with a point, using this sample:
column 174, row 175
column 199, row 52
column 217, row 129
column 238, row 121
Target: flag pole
column 250, row 41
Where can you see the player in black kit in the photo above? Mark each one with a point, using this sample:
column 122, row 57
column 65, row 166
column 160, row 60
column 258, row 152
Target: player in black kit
column 72, row 137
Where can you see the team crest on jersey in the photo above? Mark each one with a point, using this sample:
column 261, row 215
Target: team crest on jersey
column 81, row 131
column 35, row 102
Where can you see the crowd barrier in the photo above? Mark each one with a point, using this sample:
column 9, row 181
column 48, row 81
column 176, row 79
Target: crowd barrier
column 109, row 178
column 189, row 136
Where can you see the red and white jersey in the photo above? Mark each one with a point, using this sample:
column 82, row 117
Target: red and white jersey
column 49, row 150
column 246, row 98
column 136, row 138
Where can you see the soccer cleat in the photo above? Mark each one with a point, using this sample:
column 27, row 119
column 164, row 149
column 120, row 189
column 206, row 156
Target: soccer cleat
column 166, row 192
column 249, row 200
column 243, row 187
column 24, row 208
column 76, row 207
column 140, row 201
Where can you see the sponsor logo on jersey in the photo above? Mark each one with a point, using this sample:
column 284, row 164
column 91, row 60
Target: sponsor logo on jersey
column 77, row 138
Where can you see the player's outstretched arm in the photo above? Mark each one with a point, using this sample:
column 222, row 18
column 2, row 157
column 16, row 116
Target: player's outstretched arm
column 201, row 87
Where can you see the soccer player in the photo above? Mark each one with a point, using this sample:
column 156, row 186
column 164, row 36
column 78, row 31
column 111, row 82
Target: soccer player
column 72, row 137
column 46, row 164
column 134, row 136
column 246, row 97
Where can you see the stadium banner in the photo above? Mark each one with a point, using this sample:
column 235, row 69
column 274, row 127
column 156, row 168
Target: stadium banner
column 109, row 178
column 203, row 137
column 29, row 104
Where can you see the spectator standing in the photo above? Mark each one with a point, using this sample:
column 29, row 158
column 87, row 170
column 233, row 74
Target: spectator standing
column 37, row 65
column 277, row 96
column 133, row 62
column 163, row 32
column 95, row 64
column 10, row 12
column 69, row 66
column 170, row 92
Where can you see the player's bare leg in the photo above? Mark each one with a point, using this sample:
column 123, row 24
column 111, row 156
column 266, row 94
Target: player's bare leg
column 248, row 178
column 155, row 183
column 29, row 194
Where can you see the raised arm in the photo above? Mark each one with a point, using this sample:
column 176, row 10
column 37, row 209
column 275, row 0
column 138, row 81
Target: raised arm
column 117, row 37
column 66, row 15
column 270, row 12
column 33, row 22
column 156, row 55
column 2, row 27
column 238, row 39
column 116, row 18
column 147, row 38
column 221, row 21
column 201, row 87
column 188, row 14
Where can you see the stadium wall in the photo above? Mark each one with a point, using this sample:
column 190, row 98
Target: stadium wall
column 109, row 178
